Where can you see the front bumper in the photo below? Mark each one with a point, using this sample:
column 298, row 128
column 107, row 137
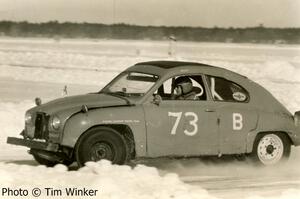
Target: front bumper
column 33, row 144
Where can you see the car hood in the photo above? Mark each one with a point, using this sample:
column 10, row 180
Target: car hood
column 74, row 103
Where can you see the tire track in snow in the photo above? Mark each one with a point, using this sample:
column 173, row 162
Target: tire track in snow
column 252, row 182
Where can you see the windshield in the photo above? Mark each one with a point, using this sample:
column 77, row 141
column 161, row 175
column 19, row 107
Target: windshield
column 131, row 84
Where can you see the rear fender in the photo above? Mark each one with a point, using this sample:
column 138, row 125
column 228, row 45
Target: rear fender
column 296, row 135
column 273, row 122
column 297, row 119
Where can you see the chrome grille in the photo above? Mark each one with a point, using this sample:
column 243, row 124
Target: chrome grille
column 41, row 122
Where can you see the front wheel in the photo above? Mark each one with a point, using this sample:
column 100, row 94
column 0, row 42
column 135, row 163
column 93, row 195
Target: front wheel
column 271, row 148
column 101, row 143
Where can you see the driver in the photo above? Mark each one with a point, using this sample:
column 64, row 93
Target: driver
column 183, row 88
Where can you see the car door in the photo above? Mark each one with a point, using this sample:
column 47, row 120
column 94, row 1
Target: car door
column 181, row 127
column 237, row 117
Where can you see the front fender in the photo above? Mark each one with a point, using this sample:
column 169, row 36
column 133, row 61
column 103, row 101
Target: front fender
column 132, row 116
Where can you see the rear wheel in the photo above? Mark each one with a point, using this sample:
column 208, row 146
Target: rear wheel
column 101, row 143
column 271, row 148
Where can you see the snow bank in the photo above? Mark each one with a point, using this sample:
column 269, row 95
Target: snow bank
column 12, row 123
column 111, row 181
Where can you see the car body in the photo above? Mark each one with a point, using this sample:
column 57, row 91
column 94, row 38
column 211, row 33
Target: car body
column 136, row 116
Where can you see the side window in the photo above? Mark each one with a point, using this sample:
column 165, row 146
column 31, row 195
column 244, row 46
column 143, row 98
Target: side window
column 225, row 90
column 183, row 88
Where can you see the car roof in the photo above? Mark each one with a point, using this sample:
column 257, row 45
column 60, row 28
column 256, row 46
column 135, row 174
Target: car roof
column 172, row 67
column 169, row 64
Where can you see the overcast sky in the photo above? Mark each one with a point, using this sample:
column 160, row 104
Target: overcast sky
column 205, row 13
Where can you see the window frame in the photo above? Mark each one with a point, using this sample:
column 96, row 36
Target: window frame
column 104, row 89
column 230, row 81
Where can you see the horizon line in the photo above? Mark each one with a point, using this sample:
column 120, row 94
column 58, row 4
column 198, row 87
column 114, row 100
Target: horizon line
column 155, row 26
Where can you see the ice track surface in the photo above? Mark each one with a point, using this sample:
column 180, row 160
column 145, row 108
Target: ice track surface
column 31, row 67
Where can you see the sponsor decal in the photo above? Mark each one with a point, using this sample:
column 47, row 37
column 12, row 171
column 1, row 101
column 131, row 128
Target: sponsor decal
column 238, row 96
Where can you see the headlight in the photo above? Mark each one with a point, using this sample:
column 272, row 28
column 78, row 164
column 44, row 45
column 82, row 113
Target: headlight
column 28, row 118
column 55, row 122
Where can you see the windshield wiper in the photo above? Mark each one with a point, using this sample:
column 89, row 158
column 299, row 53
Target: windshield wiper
column 118, row 94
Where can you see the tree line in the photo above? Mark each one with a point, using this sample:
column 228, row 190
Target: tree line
column 55, row 29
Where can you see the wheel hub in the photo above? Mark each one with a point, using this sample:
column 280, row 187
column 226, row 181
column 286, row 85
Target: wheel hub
column 270, row 149
column 101, row 151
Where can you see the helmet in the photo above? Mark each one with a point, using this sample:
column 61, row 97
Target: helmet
column 185, row 83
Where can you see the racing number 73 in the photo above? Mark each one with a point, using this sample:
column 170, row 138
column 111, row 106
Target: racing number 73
column 192, row 122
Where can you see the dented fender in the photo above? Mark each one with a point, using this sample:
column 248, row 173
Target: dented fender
column 132, row 116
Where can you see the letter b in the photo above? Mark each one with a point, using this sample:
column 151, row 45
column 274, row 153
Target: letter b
column 237, row 119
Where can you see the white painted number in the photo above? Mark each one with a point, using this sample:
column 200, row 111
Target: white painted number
column 178, row 116
column 193, row 122
column 237, row 119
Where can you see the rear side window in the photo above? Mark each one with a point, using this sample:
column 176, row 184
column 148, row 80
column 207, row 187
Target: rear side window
column 225, row 90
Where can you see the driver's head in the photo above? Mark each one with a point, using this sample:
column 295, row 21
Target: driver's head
column 183, row 85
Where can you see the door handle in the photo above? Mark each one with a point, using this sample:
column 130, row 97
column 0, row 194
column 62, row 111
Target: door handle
column 209, row 110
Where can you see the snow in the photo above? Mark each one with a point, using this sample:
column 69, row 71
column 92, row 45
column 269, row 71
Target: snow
column 111, row 181
column 40, row 67
column 289, row 194
column 12, row 121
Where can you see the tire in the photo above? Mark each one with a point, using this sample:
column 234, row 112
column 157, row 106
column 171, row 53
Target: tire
column 50, row 163
column 271, row 148
column 42, row 157
column 101, row 143
column 43, row 161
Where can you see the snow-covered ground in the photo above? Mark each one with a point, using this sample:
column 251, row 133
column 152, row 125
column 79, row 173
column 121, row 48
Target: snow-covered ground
column 41, row 67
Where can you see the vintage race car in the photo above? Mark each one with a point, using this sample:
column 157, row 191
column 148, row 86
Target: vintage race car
column 163, row 109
